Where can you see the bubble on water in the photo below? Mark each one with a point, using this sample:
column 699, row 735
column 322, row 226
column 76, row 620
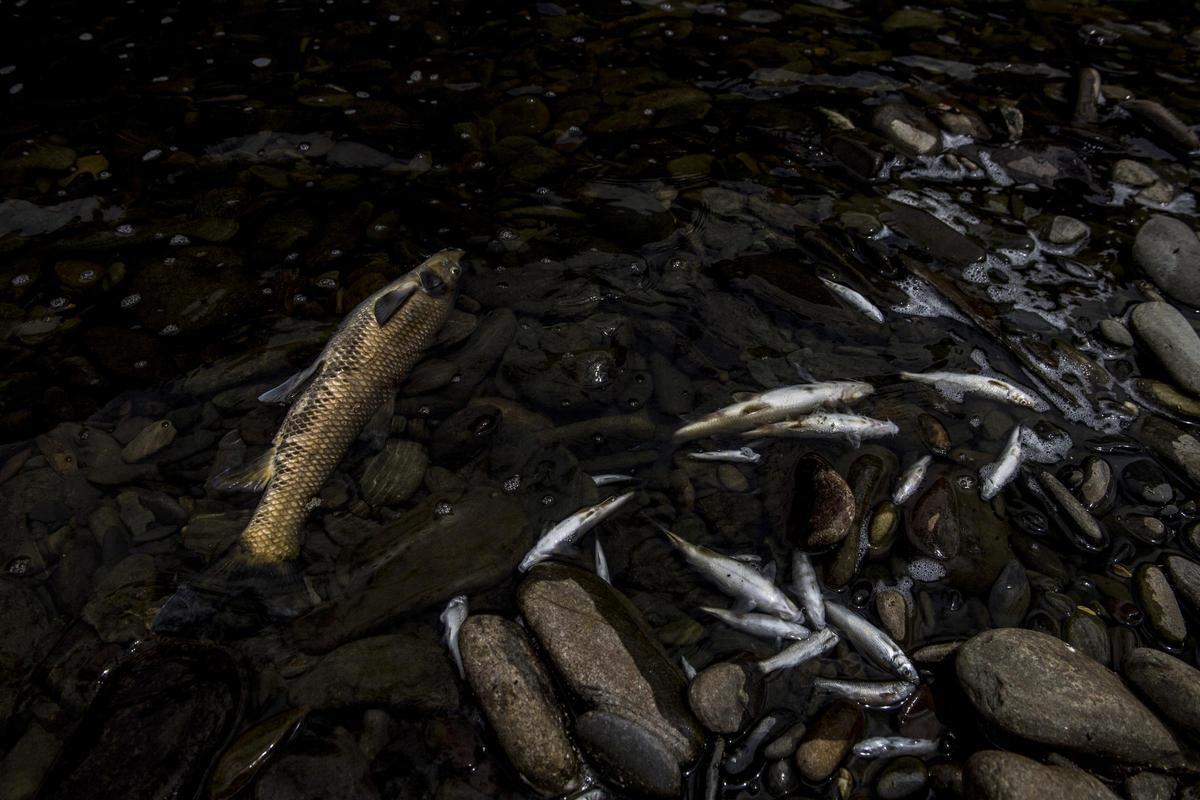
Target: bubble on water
column 506, row 235
column 169, row 330
column 578, row 39
column 141, row 364
column 424, row 411
column 965, row 482
column 179, row 240
column 150, row 155
column 299, row 298
column 261, row 61
column 16, row 88
column 512, row 484
column 393, row 17
column 924, row 301
column 547, row 500
column 86, row 37
column 326, row 283
column 311, row 504
column 19, row 565
column 1048, row 449
column 8, row 69
column 124, row 230
column 443, row 509
column 167, row 20
column 926, row 570
column 21, row 280
column 87, row 276
column 58, row 303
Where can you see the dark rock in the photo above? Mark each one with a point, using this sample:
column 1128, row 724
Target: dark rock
column 828, row 740
column 606, row 655
column 1168, row 250
column 1158, row 602
column 1171, row 685
column 1172, row 340
column 822, row 505
column 403, row 670
column 933, row 521
column 1145, row 481
column 1185, row 577
column 997, row 775
column 1174, row 444
column 932, row 235
column 904, row 777
column 1033, row 686
column 908, row 129
column 1009, row 597
column 518, row 696
column 331, row 768
column 1150, row 786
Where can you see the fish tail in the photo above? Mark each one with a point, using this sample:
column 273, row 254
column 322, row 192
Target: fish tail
column 250, row 477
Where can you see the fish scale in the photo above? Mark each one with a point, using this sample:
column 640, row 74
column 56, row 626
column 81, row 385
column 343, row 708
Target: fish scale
column 361, row 366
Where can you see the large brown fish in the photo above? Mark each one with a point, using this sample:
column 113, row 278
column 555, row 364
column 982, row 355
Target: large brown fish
column 358, row 371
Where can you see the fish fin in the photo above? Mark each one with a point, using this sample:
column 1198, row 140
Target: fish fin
column 390, row 302
column 769, row 571
column 378, row 428
column 457, row 327
column 743, row 605
column 855, row 440
column 250, row 477
column 287, row 391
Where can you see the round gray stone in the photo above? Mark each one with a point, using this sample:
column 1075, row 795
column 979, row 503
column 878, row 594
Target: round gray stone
column 1171, row 685
column 1169, row 252
column 1172, row 340
column 998, row 775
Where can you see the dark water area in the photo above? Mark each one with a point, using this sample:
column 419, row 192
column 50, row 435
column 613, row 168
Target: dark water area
column 664, row 208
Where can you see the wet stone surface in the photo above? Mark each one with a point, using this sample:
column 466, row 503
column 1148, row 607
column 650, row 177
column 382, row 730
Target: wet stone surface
column 665, row 209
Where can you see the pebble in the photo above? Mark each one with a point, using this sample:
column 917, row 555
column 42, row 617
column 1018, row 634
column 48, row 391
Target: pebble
column 518, row 696
column 784, row 746
column 1098, row 488
column 1171, row 685
column 829, row 740
column 1155, row 115
column 893, row 611
column 822, row 505
column 1087, row 634
column 1133, row 173
column 902, row 777
column 1083, row 522
column 999, row 775
column 1169, row 252
column 1067, row 230
column 1033, row 686
column 908, row 129
column 1170, row 398
column 1159, row 603
column 1008, row 599
column 726, row 696
column 1185, row 577
column 1150, row 786
column 1147, row 482
column 1116, row 333
column 1171, row 443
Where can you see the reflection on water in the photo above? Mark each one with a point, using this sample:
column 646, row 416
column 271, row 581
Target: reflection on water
column 666, row 208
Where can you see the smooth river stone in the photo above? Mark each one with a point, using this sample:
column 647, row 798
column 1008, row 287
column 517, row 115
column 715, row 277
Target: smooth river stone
column 1172, row 340
column 637, row 728
column 1171, row 685
column 1168, row 250
column 518, row 696
column 1033, row 686
column 998, row 775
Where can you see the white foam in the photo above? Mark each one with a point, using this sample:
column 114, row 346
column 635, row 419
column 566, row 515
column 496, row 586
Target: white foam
column 923, row 301
column 1045, row 450
column 926, row 570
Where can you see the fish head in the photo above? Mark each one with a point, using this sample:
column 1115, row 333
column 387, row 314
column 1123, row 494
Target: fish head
column 440, row 274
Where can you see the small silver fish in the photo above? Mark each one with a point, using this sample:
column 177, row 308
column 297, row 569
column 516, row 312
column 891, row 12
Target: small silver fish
column 689, row 671
column 736, row 579
column 856, row 300
column 801, row 651
column 910, row 481
column 762, row 625
column 570, row 529
column 602, row 563
column 607, row 478
column 887, row 746
column 807, row 588
column 452, row 618
column 996, row 475
column 828, row 425
column 870, row 693
column 953, row 385
column 772, row 406
column 743, row 756
column 742, row 455
column 871, row 642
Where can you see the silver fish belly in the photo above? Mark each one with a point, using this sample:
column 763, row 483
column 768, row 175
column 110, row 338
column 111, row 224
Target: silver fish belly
column 871, row 642
column 887, row 746
column 953, row 385
column 910, row 481
column 807, row 588
column 761, row 625
column 801, row 651
column 871, row 693
column 742, row 455
column 570, row 529
column 855, row 299
column 828, row 425
column 736, row 579
column 996, row 475
column 773, row 405
column 452, row 618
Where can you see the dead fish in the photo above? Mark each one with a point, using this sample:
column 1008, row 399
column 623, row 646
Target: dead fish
column 602, row 563
column 873, row 643
column 954, row 385
column 807, row 588
column 910, row 481
column 855, row 300
column 772, row 406
column 801, row 651
column 738, row 580
column 870, row 693
column 828, row 425
column 887, row 746
column 689, row 671
column 148, row 441
column 607, row 478
column 61, row 457
column 996, row 475
column 453, row 616
column 570, row 529
column 359, row 369
column 742, row 455
column 762, row 625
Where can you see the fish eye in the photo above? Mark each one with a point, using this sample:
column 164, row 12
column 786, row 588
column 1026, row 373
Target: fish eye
column 455, row 270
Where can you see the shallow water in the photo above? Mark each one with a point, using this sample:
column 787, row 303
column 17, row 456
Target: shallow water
column 192, row 197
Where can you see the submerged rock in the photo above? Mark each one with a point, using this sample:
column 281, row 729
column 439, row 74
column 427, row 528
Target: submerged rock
column 251, row 751
column 1158, row 601
column 1169, row 252
column 1033, row 686
column 319, row 769
column 518, row 696
column 998, row 775
column 637, row 728
column 1172, row 340
column 828, row 740
column 822, row 505
column 1171, row 685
